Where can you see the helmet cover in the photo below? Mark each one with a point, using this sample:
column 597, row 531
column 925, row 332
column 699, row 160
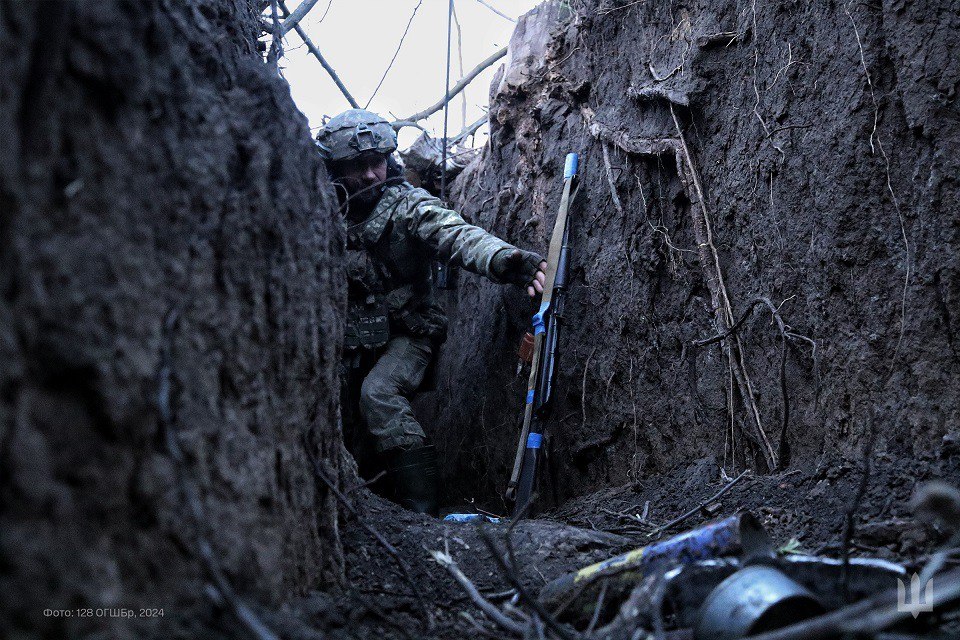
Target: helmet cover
column 353, row 132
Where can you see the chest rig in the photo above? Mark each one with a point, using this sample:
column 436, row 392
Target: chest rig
column 368, row 279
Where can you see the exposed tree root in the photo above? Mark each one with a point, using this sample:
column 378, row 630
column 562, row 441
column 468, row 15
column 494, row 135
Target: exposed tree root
column 709, row 257
column 718, row 291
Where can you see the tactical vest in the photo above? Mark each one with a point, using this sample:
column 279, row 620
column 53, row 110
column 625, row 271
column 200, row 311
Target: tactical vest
column 389, row 275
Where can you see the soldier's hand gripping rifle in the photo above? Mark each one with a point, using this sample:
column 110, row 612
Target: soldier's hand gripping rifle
column 546, row 327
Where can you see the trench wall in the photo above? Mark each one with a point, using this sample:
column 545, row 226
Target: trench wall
column 825, row 137
column 168, row 244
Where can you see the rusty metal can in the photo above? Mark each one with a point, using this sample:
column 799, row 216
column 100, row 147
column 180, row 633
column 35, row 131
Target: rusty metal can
column 753, row 600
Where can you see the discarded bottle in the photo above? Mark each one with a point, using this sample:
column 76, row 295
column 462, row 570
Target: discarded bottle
column 469, row 517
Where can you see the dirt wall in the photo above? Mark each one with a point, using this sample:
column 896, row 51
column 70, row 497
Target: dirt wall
column 167, row 244
column 824, row 139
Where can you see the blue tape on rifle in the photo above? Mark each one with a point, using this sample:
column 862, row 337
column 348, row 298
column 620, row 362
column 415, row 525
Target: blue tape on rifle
column 570, row 165
column 534, row 440
column 530, row 396
column 539, row 326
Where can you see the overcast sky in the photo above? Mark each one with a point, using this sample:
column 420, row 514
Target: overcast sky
column 359, row 37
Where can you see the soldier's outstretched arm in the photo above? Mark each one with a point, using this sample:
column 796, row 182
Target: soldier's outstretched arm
column 450, row 236
column 468, row 246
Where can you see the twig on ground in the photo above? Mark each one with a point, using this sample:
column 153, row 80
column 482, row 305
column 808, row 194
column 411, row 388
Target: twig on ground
column 510, row 573
column 500, row 595
column 656, row 603
column 597, row 608
column 631, row 518
column 445, row 560
column 626, row 622
column 713, row 498
column 316, row 53
column 479, row 628
column 457, row 88
column 390, row 549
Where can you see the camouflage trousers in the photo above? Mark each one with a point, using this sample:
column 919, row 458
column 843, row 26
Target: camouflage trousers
column 386, row 390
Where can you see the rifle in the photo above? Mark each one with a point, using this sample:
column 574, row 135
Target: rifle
column 546, row 327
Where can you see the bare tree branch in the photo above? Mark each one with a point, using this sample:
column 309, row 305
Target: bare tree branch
column 497, row 11
column 316, row 52
column 460, row 86
column 395, row 54
column 469, row 131
column 713, row 498
column 294, row 18
column 276, row 48
column 400, row 124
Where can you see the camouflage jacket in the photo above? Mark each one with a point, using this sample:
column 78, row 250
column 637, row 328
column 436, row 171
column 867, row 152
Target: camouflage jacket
column 390, row 258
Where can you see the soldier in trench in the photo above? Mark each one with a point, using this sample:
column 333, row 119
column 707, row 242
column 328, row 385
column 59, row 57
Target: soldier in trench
column 395, row 325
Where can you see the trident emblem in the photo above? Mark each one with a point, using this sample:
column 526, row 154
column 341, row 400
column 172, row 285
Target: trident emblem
column 917, row 601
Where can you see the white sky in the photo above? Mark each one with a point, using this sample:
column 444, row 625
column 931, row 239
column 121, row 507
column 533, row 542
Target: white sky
column 359, row 37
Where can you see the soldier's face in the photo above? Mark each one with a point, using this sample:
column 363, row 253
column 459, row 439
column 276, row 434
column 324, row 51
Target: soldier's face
column 361, row 175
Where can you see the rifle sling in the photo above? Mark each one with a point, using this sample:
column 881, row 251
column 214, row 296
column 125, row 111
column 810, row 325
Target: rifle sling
column 553, row 259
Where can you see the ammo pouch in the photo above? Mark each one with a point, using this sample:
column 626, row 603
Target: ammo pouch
column 368, row 326
column 424, row 321
column 412, row 313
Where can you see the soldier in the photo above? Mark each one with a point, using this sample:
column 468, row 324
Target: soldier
column 395, row 324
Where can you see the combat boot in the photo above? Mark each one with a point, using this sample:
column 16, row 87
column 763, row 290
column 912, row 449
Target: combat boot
column 413, row 474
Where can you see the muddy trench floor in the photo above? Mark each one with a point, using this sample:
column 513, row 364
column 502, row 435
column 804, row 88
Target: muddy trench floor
column 803, row 509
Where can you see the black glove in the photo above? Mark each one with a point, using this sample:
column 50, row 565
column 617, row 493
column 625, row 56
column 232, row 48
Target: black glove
column 516, row 266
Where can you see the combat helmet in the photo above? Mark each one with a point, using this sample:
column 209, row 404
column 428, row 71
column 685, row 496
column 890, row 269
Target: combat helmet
column 347, row 135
